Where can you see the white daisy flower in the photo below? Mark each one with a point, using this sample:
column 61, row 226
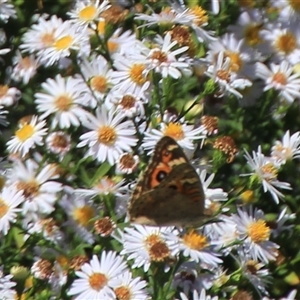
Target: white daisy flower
column 57, row 279
column 198, row 247
column 54, row 39
column 66, row 38
column 197, row 18
column 123, row 44
column 250, row 28
column 59, row 142
column 241, row 61
column 38, row 185
column 284, row 41
column 189, row 277
column 265, row 172
column 255, row 271
column 41, row 269
column 163, row 60
column 6, row 286
column 288, row 10
column 105, row 186
column 98, row 277
column 7, row 10
column 87, row 12
column 41, row 35
column 288, row 148
column 109, row 186
column 280, row 78
column 166, row 16
column 24, row 67
column 127, row 163
column 97, row 73
column 29, row 135
column 109, row 136
column 201, row 296
column 46, row 227
column 255, row 234
column 223, row 233
column 81, row 213
column 130, row 76
column 147, row 244
column 10, row 199
column 227, row 81
column 131, row 288
column 183, row 134
column 63, row 98
column 9, row 95
column 128, row 104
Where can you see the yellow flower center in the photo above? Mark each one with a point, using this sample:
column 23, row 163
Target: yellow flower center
column 83, row 215
column 30, row 188
column 101, row 29
column 28, row 283
column 25, row 62
column 106, row 184
column 284, row 150
column 235, row 60
column 258, row 231
column 64, row 42
column 47, row 39
column 280, row 78
column 270, row 170
column 107, row 135
column 60, row 141
column 88, row 13
column 195, row 241
column 158, row 249
column 62, row 260
column 97, row 281
column 252, row 35
column 224, row 75
column 112, row 46
column 3, row 208
column 247, row 196
column 201, row 15
column 136, row 74
column 63, row 102
column 25, row 132
column 99, row 84
column 252, row 267
column 127, row 102
column 175, row 131
column 3, row 90
column 122, row 293
column 286, row 43
column 160, row 56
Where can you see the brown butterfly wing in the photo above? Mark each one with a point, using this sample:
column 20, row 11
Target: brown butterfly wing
column 166, row 153
column 178, row 200
column 170, row 191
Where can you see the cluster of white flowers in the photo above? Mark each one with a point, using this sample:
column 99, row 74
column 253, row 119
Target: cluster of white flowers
column 92, row 97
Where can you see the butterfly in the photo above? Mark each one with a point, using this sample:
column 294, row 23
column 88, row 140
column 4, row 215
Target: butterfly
column 169, row 193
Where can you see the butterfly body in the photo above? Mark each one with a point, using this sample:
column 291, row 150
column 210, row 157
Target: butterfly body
column 170, row 192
